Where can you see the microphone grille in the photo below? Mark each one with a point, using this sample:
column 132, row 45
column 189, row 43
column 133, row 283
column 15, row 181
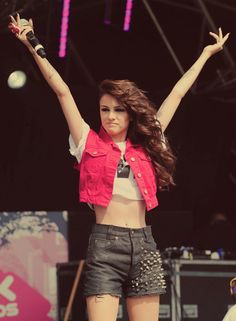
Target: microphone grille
column 24, row 22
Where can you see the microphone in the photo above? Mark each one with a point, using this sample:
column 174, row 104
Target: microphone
column 35, row 43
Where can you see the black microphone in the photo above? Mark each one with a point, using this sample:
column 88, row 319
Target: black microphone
column 35, row 43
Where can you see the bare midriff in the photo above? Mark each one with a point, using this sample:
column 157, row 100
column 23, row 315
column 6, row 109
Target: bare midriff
column 122, row 212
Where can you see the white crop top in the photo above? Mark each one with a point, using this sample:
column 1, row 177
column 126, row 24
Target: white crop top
column 125, row 184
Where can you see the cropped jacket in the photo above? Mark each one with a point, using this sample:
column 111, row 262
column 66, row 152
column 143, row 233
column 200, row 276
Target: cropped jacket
column 98, row 167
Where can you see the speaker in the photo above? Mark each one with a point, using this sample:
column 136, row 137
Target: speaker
column 66, row 273
column 200, row 289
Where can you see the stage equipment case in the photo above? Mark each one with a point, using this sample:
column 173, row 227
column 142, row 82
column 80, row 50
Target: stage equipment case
column 199, row 289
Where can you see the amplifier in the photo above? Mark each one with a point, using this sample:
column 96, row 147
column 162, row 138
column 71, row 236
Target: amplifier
column 200, row 289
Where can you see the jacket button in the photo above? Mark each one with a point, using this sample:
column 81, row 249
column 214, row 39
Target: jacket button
column 95, row 153
column 132, row 159
column 139, row 175
column 145, row 191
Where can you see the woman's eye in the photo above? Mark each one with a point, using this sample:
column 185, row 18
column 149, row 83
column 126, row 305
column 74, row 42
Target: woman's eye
column 120, row 110
column 104, row 109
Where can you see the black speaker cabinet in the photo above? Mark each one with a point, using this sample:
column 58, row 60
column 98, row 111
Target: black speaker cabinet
column 200, row 289
column 66, row 273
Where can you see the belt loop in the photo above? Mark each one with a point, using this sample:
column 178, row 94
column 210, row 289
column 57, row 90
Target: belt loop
column 109, row 232
column 145, row 233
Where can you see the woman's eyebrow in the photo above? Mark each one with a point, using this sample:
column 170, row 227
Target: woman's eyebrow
column 118, row 106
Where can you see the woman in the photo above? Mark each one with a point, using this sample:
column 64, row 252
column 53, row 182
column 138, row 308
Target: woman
column 122, row 255
column 231, row 313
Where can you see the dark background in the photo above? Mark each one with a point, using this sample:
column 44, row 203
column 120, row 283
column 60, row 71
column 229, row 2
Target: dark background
column 36, row 169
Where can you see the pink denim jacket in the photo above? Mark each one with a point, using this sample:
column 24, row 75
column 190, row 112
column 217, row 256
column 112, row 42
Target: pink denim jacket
column 98, row 169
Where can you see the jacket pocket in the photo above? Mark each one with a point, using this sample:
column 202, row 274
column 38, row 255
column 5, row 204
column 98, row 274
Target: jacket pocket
column 94, row 160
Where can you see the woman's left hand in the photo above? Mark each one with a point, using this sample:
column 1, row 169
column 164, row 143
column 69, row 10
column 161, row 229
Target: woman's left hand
column 218, row 46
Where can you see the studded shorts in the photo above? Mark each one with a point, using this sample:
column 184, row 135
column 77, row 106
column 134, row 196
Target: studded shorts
column 123, row 261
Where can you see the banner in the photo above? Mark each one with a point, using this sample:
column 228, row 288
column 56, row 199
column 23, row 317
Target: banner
column 31, row 244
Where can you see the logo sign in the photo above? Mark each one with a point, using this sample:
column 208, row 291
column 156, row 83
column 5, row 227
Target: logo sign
column 19, row 301
column 5, row 290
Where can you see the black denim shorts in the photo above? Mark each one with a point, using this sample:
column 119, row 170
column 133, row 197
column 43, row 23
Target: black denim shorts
column 123, row 261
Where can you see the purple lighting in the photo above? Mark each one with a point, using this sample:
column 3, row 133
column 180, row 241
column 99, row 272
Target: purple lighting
column 64, row 28
column 128, row 14
column 107, row 16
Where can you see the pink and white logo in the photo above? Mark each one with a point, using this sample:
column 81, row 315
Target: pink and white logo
column 5, row 290
column 19, row 301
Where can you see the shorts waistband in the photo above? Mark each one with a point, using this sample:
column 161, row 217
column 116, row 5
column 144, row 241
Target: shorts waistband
column 119, row 230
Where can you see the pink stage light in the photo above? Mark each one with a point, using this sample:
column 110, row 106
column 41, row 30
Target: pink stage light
column 128, row 14
column 64, row 28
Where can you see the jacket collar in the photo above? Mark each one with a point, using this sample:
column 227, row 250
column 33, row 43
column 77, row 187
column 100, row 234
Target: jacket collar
column 107, row 139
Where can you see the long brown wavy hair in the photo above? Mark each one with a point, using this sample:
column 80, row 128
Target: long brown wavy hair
column 144, row 128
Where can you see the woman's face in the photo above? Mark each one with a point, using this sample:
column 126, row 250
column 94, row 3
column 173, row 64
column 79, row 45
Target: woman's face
column 114, row 117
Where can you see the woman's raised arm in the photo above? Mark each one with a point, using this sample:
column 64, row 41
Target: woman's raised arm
column 170, row 104
column 54, row 80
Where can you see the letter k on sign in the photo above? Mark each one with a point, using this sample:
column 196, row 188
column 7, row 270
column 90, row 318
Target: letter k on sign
column 5, row 288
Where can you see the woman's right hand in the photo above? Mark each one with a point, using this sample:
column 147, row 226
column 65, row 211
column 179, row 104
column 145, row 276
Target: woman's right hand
column 20, row 29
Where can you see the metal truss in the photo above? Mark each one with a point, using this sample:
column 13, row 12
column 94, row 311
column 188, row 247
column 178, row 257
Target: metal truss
column 226, row 78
